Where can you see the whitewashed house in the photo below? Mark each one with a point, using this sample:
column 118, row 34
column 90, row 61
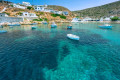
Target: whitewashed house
column 18, row 6
column 26, row 14
column 57, row 12
column 107, row 19
column 26, row 4
column 65, row 13
column 40, row 7
column 87, row 19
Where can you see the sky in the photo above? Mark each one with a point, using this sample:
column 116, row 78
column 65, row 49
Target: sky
column 70, row 4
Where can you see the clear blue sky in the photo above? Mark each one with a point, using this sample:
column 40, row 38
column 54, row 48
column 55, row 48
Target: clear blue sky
column 70, row 4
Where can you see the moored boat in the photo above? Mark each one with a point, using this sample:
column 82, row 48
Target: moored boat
column 53, row 25
column 106, row 26
column 3, row 31
column 33, row 27
column 74, row 37
column 69, row 27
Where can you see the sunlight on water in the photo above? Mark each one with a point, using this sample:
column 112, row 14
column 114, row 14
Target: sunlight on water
column 47, row 54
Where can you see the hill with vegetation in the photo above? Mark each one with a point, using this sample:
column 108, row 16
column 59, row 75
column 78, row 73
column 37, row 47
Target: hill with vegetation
column 59, row 8
column 14, row 12
column 111, row 9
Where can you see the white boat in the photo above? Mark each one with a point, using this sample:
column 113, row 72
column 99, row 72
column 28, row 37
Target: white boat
column 74, row 37
column 33, row 27
column 3, row 31
column 53, row 25
column 75, row 20
column 106, row 26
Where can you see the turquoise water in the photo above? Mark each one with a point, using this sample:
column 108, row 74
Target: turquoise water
column 47, row 54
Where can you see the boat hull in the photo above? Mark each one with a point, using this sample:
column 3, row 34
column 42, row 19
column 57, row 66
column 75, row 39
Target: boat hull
column 53, row 26
column 105, row 27
column 73, row 37
column 69, row 27
column 3, row 31
column 33, row 27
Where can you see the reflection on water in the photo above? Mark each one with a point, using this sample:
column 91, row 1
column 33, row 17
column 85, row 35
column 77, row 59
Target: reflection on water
column 47, row 54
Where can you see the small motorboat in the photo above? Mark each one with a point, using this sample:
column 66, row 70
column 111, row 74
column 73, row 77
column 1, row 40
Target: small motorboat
column 106, row 26
column 74, row 37
column 3, row 31
column 33, row 27
column 14, row 25
column 53, row 25
column 34, row 24
column 69, row 27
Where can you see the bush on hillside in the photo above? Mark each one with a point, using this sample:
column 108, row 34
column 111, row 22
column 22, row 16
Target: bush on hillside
column 115, row 18
column 38, row 19
column 55, row 15
column 62, row 16
column 7, row 13
column 45, row 19
column 41, row 13
column 29, row 7
column 19, row 13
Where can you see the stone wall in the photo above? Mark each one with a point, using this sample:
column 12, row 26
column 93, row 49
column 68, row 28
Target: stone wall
column 10, row 19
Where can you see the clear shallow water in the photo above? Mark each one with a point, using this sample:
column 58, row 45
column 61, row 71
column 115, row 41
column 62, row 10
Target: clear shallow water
column 46, row 54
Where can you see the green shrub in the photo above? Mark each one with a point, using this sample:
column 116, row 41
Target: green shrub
column 115, row 18
column 19, row 13
column 29, row 7
column 38, row 19
column 55, row 15
column 11, row 5
column 7, row 13
column 41, row 13
column 62, row 16
column 45, row 19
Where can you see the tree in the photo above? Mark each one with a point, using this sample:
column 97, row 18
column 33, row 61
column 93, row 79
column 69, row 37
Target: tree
column 29, row 7
column 115, row 18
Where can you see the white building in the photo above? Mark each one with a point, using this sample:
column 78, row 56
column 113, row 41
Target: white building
column 40, row 7
column 57, row 12
column 107, row 19
column 87, row 19
column 18, row 6
column 74, row 20
column 26, row 4
column 26, row 14
column 65, row 13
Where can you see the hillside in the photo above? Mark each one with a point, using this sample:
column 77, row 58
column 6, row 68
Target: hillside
column 60, row 8
column 13, row 12
column 100, row 11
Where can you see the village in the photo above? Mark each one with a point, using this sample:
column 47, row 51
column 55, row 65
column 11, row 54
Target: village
column 26, row 13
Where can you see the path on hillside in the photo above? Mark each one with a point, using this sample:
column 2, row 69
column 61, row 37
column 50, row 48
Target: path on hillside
column 3, row 10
